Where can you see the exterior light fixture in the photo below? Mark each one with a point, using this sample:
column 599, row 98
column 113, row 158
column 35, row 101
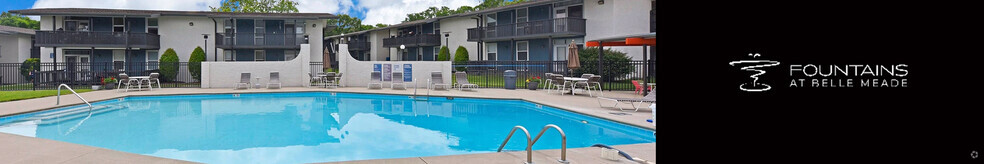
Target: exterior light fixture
column 601, row 2
column 191, row 23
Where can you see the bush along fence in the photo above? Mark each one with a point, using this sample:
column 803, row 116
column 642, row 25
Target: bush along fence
column 616, row 75
column 46, row 76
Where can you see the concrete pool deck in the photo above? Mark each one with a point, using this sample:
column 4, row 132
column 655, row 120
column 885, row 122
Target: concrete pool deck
column 20, row 149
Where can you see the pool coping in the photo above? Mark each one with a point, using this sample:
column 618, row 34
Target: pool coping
column 646, row 126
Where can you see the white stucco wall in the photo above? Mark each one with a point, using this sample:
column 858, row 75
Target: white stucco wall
column 618, row 18
column 459, row 35
column 356, row 73
column 293, row 73
column 14, row 48
column 315, row 31
column 178, row 35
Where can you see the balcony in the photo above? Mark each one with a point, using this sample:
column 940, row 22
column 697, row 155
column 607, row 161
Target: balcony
column 413, row 41
column 259, row 41
column 359, row 45
column 97, row 39
column 560, row 27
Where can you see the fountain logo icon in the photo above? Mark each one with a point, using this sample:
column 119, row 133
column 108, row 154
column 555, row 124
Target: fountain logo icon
column 753, row 65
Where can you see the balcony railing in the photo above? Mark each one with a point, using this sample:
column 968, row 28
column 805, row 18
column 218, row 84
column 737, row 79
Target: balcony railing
column 359, row 45
column 413, row 41
column 97, row 39
column 560, row 27
column 259, row 40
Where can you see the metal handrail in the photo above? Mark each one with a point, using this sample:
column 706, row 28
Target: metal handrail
column 529, row 152
column 58, row 101
column 563, row 141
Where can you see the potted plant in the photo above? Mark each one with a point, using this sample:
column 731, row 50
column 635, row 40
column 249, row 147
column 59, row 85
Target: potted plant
column 533, row 82
column 109, row 82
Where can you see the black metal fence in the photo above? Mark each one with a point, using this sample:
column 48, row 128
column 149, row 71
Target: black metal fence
column 615, row 76
column 83, row 74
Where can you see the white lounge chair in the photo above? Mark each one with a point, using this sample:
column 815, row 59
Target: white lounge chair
column 635, row 102
column 274, row 80
column 398, row 81
column 243, row 80
column 462, row 79
column 437, row 80
column 375, row 79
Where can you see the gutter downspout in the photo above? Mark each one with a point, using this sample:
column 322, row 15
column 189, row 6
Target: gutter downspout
column 215, row 48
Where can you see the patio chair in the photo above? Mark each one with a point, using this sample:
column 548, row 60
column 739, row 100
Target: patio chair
column 398, row 81
column 122, row 77
column 243, row 80
column 154, row 79
column 462, row 79
column 559, row 83
column 638, row 87
column 587, row 75
column 437, row 79
column 590, row 84
column 338, row 79
column 128, row 82
column 375, row 79
column 315, row 80
column 274, row 80
column 546, row 81
column 635, row 102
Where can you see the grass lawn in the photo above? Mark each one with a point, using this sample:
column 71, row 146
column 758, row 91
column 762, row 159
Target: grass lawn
column 20, row 95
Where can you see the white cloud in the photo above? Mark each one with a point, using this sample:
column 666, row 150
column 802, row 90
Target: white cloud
column 392, row 12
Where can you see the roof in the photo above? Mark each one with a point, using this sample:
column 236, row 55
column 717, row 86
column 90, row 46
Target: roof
column 150, row 13
column 15, row 30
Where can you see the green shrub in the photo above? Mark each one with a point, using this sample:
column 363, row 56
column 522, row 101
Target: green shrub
column 460, row 58
column 169, row 65
column 195, row 63
column 30, row 65
column 616, row 64
column 444, row 55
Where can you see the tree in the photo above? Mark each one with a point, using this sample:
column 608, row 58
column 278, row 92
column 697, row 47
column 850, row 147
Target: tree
column 195, row 63
column 169, row 64
column 617, row 64
column 30, row 65
column 257, row 6
column 17, row 20
column 461, row 57
column 434, row 12
column 444, row 55
column 347, row 24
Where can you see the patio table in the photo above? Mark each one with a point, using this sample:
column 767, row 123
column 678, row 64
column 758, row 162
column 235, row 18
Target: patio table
column 140, row 80
column 574, row 80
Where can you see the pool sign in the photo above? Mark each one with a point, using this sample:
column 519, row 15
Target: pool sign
column 387, row 72
column 407, row 73
column 377, row 67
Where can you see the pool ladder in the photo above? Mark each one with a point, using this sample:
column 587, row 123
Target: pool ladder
column 58, row 100
column 529, row 143
column 415, row 86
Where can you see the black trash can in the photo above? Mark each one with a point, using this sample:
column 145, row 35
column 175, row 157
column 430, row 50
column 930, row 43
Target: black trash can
column 510, row 78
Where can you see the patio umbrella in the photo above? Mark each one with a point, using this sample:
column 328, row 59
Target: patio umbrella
column 573, row 60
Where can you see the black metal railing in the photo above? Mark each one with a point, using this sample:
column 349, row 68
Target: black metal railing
column 413, row 40
column 97, row 39
column 559, row 27
column 83, row 74
column 490, row 74
column 259, row 40
column 359, row 45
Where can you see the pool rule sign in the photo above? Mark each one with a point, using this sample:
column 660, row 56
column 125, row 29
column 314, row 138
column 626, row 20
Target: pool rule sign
column 408, row 72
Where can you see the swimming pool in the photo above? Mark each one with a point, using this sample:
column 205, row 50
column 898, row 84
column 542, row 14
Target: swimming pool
column 305, row 127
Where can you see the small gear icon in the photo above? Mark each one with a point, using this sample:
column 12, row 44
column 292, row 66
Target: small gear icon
column 973, row 154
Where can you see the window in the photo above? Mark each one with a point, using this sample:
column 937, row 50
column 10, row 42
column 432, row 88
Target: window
column 289, row 54
column 152, row 25
column 490, row 51
column 227, row 55
column 437, row 50
column 152, row 59
column 118, row 57
column 118, row 25
column 522, row 51
column 259, row 55
column 490, row 23
column 437, row 28
column 522, row 15
column 258, row 31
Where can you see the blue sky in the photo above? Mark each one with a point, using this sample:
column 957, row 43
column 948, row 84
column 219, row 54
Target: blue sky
column 371, row 11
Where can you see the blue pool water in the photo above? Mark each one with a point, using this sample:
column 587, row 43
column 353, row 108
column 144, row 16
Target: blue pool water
column 312, row 126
